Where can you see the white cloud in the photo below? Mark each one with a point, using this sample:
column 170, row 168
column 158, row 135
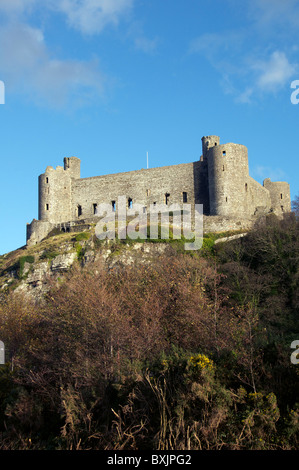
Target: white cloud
column 211, row 44
column 16, row 7
column 141, row 41
column 245, row 96
column 274, row 72
column 86, row 16
column 259, row 58
column 92, row 16
column 245, row 75
column 270, row 13
column 28, row 67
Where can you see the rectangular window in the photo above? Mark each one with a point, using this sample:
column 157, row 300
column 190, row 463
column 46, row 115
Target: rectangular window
column 79, row 211
column 130, row 203
column 47, row 180
column 185, row 197
column 167, row 196
column 94, row 206
column 281, row 196
column 47, row 207
column 113, row 206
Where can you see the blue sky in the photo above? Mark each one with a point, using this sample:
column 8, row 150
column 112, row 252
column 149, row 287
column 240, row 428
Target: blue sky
column 110, row 80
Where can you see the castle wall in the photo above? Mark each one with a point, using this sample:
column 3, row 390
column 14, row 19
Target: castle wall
column 280, row 195
column 172, row 185
column 258, row 198
column 37, row 231
column 220, row 181
column 221, row 223
column 228, row 176
column 72, row 165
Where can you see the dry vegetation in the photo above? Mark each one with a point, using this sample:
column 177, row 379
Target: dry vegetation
column 187, row 352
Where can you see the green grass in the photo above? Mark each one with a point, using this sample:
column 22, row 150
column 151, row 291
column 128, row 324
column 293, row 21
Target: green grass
column 49, row 254
column 22, row 261
column 82, row 236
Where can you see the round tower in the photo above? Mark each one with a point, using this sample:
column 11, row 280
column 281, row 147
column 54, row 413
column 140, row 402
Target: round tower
column 209, row 142
column 55, row 195
column 228, row 179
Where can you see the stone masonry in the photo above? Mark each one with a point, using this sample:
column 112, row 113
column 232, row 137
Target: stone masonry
column 219, row 181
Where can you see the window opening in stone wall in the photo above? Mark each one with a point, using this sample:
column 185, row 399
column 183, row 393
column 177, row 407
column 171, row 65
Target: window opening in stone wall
column 94, row 207
column 223, row 168
column 282, row 208
column 185, row 196
column 246, row 187
column 154, row 203
column 226, row 199
column 281, row 196
column 130, row 203
column 113, row 206
column 224, row 153
column 215, row 144
column 47, row 180
column 79, row 211
column 167, row 196
column 47, row 207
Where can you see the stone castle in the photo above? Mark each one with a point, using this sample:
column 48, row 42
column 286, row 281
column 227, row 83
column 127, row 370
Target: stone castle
column 219, row 180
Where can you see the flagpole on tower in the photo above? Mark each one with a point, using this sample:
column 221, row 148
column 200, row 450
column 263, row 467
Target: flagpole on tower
column 146, row 159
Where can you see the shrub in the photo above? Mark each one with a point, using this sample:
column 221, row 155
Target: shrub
column 22, row 261
column 82, row 236
column 49, row 254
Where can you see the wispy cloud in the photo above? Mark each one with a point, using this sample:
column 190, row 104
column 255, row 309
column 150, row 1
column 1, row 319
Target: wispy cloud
column 211, row 44
column 275, row 174
column 16, row 7
column 141, row 41
column 254, row 61
column 92, row 16
column 275, row 71
column 86, row 16
column 29, row 68
column 267, row 14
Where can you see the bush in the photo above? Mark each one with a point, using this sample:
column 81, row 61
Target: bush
column 22, row 261
column 82, row 236
column 49, row 254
